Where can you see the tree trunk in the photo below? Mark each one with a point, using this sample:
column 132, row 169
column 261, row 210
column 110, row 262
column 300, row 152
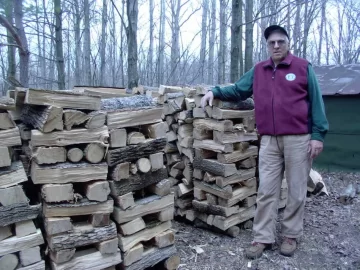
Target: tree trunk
column 263, row 25
column 236, row 38
column 131, row 32
column 87, row 48
column 297, row 29
column 222, row 45
column 323, row 19
column 175, row 47
column 24, row 54
column 203, row 39
column 151, row 45
column 103, row 42
column 77, row 52
column 11, row 72
column 59, row 45
column 249, row 45
column 306, row 30
column 160, row 69
column 212, row 43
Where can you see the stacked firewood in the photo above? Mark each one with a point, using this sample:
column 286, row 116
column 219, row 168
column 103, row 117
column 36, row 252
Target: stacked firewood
column 20, row 237
column 144, row 204
column 225, row 143
column 178, row 105
column 65, row 140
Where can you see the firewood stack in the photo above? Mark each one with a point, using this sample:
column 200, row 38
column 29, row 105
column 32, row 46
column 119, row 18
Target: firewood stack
column 225, row 164
column 178, row 111
column 144, row 204
column 67, row 146
column 20, row 239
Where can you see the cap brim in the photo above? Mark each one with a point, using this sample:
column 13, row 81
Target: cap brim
column 273, row 28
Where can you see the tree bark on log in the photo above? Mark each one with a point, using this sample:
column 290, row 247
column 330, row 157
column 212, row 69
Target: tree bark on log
column 134, row 152
column 74, row 118
column 44, row 118
column 137, row 182
column 82, row 236
column 18, row 212
column 215, row 167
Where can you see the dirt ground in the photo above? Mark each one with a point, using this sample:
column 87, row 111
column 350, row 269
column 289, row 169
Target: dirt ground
column 331, row 238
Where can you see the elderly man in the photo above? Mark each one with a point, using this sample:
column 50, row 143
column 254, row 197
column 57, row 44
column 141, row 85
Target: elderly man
column 290, row 117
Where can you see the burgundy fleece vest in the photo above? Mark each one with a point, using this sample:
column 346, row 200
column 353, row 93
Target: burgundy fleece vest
column 281, row 97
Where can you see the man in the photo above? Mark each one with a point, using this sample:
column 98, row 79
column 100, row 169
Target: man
column 290, row 117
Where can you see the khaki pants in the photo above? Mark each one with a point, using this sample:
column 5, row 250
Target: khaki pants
column 289, row 153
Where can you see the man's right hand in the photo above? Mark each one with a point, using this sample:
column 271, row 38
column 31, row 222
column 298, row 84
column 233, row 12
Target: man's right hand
column 208, row 98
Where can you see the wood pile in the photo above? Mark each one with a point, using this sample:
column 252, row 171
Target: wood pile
column 20, row 237
column 178, row 105
column 65, row 140
column 139, row 184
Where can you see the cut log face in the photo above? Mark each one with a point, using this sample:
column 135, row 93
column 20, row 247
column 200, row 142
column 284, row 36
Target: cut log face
column 94, row 152
column 5, row 232
column 5, row 158
column 49, row 155
column 133, row 255
column 69, row 137
column 213, row 146
column 135, row 138
column 9, row 262
column 155, row 131
column 120, row 171
column 30, row 256
column 57, row 192
column 238, row 155
column 164, row 239
column 75, row 154
column 234, row 137
column 74, row 118
column 44, row 118
column 125, row 201
column 96, row 119
column 162, row 188
column 61, row 256
column 185, row 131
column 157, row 161
column 10, row 137
column 211, row 124
column 225, row 193
column 100, row 220
column 143, row 165
column 63, row 99
column 24, row 228
column 108, row 246
column 97, row 191
column 225, row 223
column 171, row 136
column 7, row 103
column 215, row 167
column 118, row 138
column 6, row 121
column 240, row 176
column 132, row 226
column 57, row 225
column 13, row 175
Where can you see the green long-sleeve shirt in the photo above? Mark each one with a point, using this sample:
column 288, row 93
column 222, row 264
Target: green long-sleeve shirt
column 243, row 89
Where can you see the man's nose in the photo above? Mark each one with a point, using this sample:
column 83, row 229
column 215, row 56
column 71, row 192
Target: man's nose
column 276, row 45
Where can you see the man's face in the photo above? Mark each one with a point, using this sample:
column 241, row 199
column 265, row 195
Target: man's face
column 278, row 46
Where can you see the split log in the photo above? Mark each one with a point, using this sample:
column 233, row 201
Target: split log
column 24, row 228
column 89, row 259
column 225, row 223
column 61, row 256
column 127, row 103
column 134, row 254
column 185, row 130
column 155, row 131
column 157, row 161
column 238, row 177
column 74, row 154
column 5, row 158
column 171, row 136
column 205, row 154
column 164, row 89
column 125, row 201
column 120, row 119
column 225, row 193
column 13, row 175
column 10, row 137
column 211, row 124
column 137, row 182
column 145, row 206
column 9, row 262
column 94, row 152
column 74, row 118
column 103, row 92
column 237, row 155
column 199, row 194
column 164, row 239
column 5, row 232
column 6, row 121
column 82, row 207
column 100, row 220
column 108, row 246
column 143, row 165
column 217, row 210
column 161, row 189
column 248, row 163
column 30, row 256
column 211, row 199
column 213, row 146
column 118, row 138
column 238, row 194
column 247, row 104
column 37, row 266
column 15, row 244
column 62, row 173
column 96, row 119
column 12, row 195
column 209, row 178
column 135, row 138
column 202, row 134
column 62, row 99
column 219, row 114
column 47, row 155
column 184, row 190
column 18, row 212
column 186, row 142
column 7, row 103
column 82, row 235
column 120, row 171
column 132, row 226
column 198, row 174
column 69, row 137
column 234, row 137
column 97, row 191
column 134, row 152
column 127, row 242
column 57, row 225
column 214, row 167
column 165, row 215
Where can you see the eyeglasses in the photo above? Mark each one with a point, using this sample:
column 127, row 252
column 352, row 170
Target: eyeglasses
column 280, row 43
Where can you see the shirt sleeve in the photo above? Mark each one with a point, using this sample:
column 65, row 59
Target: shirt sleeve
column 241, row 90
column 320, row 125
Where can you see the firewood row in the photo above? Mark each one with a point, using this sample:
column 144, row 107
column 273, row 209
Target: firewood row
column 20, row 236
column 64, row 143
column 139, row 184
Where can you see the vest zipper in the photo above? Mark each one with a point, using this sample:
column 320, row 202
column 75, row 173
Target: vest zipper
column 273, row 78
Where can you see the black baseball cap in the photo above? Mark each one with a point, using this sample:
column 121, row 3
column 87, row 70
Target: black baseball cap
column 274, row 28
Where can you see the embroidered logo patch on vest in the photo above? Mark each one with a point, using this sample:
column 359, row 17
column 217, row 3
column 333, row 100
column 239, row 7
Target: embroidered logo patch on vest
column 290, row 77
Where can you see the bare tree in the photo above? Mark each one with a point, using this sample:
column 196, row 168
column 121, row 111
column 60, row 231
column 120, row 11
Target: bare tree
column 151, row 44
column 175, row 44
column 11, row 71
column 87, row 44
column 104, row 20
column 132, row 11
column 212, row 42
column 236, row 39
column 249, row 43
column 222, row 44
column 161, row 46
column 203, row 39
column 59, row 45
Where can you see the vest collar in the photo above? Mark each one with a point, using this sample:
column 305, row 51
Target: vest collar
column 287, row 61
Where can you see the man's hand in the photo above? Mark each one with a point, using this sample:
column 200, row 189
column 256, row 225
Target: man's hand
column 315, row 148
column 209, row 97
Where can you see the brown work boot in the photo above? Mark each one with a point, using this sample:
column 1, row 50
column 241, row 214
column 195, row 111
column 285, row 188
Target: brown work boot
column 256, row 250
column 288, row 246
